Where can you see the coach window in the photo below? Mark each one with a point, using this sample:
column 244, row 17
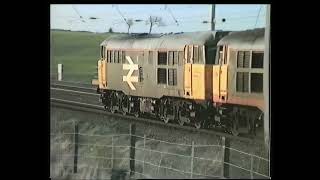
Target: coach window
column 162, row 76
column 242, row 82
column 201, row 60
column 124, row 57
column 180, row 58
column 108, row 55
column 196, row 54
column 170, row 58
column 257, row 59
column 256, row 82
column 188, row 54
column 140, row 74
column 120, row 56
column 175, row 57
column 101, row 52
column 162, row 58
column 112, row 57
column 115, row 56
column 243, row 59
column 172, row 77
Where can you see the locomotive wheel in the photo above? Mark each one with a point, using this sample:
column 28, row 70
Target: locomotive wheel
column 112, row 110
column 181, row 122
column 235, row 125
column 165, row 119
column 197, row 125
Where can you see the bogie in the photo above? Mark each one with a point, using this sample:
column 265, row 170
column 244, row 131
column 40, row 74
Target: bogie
column 233, row 119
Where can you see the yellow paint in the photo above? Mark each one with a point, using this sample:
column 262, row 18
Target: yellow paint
column 188, row 80
column 102, row 76
column 216, row 80
column 224, row 81
column 220, row 82
column 208, row 81
column 95, row 82
column 197, row 81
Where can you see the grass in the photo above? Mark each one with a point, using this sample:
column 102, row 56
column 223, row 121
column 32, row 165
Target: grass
column 78, row 52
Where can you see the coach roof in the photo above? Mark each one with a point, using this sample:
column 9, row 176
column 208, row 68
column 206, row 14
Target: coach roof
column 249, row 39
column 170, row 41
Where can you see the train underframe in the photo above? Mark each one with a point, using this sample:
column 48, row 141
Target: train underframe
column 200, row 114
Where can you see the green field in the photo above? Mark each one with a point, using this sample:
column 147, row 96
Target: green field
column 78, row 52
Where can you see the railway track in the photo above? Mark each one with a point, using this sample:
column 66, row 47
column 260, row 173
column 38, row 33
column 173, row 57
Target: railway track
column 73, row 86
column 85, row 99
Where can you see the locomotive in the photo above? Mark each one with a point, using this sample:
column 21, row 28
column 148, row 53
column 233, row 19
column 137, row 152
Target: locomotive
column 204, row 79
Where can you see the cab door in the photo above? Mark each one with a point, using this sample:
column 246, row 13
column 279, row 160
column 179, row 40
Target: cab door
column 220, row 76
column 188, row 54
column 102, row 74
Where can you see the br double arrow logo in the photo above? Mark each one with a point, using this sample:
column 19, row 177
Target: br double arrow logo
column 129, row 78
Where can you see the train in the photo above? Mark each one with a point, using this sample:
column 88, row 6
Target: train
column 208, row 79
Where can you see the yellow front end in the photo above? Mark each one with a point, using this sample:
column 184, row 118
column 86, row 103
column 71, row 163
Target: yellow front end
column 198, row 81
column 220, row 83
column 102, row 75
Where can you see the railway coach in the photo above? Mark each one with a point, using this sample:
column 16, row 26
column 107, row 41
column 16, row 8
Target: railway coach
column 204, row 79
column 167, row 76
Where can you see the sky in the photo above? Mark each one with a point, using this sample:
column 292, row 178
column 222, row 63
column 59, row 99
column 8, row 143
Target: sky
column 189, row 17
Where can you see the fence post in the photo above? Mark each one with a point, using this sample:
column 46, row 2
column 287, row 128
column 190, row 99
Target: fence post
column 132, row 148
column 251, row 164
column 60, row 70
column 192, row 155
column 76, row 138
column 112, row 152
column 144, row 151
column 60, row 148
column 225, row 157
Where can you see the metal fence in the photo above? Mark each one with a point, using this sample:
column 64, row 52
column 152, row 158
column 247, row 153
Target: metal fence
column 133, row 160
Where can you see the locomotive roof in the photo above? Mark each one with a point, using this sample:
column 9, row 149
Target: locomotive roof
column 249, row 39
column 171, row 41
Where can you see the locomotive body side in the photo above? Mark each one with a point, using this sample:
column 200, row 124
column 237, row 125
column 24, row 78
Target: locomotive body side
column 174, row 78
column 238, row 79
column 137, row 73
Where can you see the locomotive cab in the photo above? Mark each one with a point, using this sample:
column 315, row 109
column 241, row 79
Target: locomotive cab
column 238, row 80
column 220, row 75
column 101, row 82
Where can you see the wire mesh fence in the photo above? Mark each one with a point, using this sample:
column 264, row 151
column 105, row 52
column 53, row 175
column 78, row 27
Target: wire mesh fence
column 76, row 155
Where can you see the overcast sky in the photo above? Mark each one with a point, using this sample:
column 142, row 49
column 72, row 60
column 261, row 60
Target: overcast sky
column 188, row 16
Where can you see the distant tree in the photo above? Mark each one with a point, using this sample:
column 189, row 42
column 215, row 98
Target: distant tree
column 129, row 23
column 154, row 20
column 110, row 30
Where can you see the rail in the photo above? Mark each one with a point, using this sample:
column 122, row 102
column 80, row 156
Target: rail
column 93, row 108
